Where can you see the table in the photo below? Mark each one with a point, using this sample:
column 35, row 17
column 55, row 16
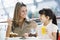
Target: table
column 19, row 38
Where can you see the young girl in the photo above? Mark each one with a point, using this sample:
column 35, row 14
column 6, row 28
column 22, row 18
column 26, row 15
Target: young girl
column 49, row 27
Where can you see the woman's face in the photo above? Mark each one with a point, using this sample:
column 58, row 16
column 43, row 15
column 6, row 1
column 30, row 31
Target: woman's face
column 43, row 18
column 23, row 12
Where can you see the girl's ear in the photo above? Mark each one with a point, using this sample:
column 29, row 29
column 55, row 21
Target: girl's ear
column 48, row 17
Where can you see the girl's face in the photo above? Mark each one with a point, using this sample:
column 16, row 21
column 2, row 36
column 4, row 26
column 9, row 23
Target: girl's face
column 23, row 12
column 43, row 18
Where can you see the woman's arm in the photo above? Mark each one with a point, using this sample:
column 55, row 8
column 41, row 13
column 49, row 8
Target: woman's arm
column 9, row 28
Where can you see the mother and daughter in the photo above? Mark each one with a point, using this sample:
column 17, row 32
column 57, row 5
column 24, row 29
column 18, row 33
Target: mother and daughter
column 22, row 27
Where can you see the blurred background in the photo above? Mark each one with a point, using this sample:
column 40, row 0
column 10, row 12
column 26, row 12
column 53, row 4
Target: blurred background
column 33, row 6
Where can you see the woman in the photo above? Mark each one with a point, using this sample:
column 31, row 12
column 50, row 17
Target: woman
column 20, row 25
column 49, row 27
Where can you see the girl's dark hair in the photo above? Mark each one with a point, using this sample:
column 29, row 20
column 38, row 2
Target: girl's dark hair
column 49, row 12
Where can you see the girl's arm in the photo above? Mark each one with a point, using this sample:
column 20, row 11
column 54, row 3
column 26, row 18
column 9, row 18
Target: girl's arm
column 53, row 36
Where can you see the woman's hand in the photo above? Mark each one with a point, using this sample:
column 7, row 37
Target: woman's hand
column 9, row 21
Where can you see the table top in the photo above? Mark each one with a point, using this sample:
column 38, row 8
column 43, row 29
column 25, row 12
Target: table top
column 19, row 38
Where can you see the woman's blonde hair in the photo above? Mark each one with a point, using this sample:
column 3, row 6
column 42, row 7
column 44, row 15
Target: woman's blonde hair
column 16, row 13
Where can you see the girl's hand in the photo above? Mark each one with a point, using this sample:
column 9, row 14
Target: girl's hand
column 25, row 34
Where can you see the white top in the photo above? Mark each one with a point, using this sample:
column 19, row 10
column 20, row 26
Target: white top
column 50, row 28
